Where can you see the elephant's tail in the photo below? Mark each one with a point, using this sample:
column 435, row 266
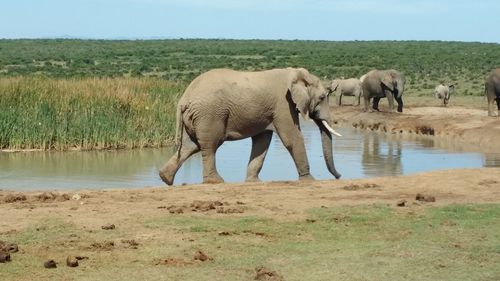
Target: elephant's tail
column 179, row 127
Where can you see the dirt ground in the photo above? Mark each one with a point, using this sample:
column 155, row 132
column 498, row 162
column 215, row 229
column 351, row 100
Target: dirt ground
column 470, row 127
column 92, row 209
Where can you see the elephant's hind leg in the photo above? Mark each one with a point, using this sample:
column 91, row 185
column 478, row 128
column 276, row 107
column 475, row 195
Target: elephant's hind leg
column 260, row 145
column 168, row 171
column 210, row 174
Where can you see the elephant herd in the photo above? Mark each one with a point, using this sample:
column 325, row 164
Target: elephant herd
column 226, row 105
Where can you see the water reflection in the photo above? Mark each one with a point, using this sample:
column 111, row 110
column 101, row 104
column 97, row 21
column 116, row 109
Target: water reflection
column 357, row 154
column 381, row 157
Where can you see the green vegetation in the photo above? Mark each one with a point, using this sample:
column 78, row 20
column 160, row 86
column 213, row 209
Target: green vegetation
column 86, row 113
column 56, row 62
column 366, row 242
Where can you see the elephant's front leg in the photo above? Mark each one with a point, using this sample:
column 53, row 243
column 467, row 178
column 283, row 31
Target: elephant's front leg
column 491, row 106
column 400, row 103
column 390, row 99
column 366, row 103
column 498, row 104
column 292, row 139
column 260, row 145
column 376, row 101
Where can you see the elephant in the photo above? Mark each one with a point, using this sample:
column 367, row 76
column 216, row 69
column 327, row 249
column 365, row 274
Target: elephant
column 492, row 91
column 227, row 105
column 377, row 84
column 443, row 92
column 347, row 87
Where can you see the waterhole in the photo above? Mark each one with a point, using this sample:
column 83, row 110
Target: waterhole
column 358, row 154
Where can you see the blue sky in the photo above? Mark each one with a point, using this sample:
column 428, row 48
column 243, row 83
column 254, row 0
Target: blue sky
column 450, row 20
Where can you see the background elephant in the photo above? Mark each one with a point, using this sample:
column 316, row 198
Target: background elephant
column 377, row 84
column 492, row 91
column 224, row 104
column 347, row 87
column 443, row 92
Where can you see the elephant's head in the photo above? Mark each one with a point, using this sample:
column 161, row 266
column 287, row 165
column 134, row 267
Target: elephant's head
column 334, row 86
column 394, row 81
column 311, row 100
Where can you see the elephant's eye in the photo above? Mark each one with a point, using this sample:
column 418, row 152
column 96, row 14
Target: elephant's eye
column 322, row 97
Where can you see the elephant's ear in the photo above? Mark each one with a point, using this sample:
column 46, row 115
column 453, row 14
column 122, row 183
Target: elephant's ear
column 387, row 81
column 335, row 85
column 298, row 88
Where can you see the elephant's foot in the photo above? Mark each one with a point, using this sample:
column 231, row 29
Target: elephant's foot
column 253, row 179
column 166, row 178
column 213, row 179
column 307, row 177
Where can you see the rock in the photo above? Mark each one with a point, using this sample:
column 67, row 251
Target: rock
column 8, row 247
column 71, row 261
column 108, row 226
column 76, row 197
column 50, row 264
column 200, row 256
column 425, row 198
column 263, row 273
column 11, row 198
column 402, row 203
column 4, row 257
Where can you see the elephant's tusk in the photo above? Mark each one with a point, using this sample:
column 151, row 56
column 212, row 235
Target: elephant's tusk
column 330, row 128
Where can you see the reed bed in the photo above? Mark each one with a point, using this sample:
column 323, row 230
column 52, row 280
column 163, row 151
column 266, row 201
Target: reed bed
column 87, row 113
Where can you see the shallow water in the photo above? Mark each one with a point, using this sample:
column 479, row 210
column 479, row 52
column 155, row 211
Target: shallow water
column 358, row 154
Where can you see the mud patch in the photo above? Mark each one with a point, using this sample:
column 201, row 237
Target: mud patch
column 201, row 256
column 425, row 130
column 102, row 246
column 8, row 247
column 425, row 198
column 173, row 262
column 51, row 197
column 11, row 198
column 266, row 274
column 488, row 182
column 202, row 206
column 131, row 244
column 360, row 186
column 108, row 226
column 230, row 210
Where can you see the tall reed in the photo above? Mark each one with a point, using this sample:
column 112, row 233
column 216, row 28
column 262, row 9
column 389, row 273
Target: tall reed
column 87, row 113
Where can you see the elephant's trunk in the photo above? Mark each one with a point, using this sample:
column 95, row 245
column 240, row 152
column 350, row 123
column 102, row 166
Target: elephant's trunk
column 326, row 142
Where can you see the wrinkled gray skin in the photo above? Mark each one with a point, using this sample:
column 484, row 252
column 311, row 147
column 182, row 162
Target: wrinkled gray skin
column 443, row 92
column 378, row 84
column 492, row 92
column 347, row 87
column 225, row 105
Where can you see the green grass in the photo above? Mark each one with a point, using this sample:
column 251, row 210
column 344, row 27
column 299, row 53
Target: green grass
column 367, row 242
column 94, row 94
column 87, row 113
column 425, row 63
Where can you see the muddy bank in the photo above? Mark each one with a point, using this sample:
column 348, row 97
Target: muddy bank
column 456, row 125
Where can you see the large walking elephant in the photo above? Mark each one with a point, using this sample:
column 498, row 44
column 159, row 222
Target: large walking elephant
column 378, row 84
column 492, row 91
column 347, row 87
column 225, row 105
column 444, row 93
